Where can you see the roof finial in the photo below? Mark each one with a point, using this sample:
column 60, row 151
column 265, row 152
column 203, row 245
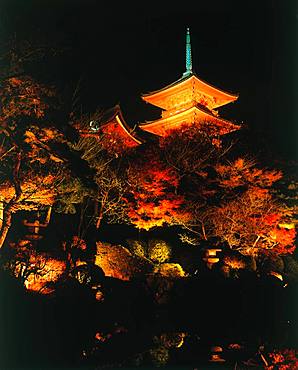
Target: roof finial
column 188, row 61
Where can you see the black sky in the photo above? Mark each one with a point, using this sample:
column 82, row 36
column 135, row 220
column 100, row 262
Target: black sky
column 119, row 51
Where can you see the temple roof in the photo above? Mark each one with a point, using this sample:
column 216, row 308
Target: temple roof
column 109, row 123
column 193, row 86
column 115, row 113
column 198, row 115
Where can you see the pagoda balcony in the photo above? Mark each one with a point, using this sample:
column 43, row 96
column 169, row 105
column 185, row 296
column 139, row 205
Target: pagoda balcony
column 178, row 109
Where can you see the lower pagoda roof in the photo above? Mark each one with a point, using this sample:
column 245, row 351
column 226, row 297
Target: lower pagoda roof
column 198, row 115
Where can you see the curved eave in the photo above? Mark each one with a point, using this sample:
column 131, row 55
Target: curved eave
column 226, row 97
column 115, row 114
column 163, row 122
column 124, row 126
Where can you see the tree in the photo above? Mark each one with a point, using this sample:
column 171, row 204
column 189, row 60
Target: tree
column 155, row 251
column 21, row 101
column 35, row 157
column 34, row 269
column 250, row 219
column 190, row 149
column 152, row 195
column 109, row 178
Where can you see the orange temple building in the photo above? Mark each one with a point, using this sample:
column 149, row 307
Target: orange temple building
column 187, row 101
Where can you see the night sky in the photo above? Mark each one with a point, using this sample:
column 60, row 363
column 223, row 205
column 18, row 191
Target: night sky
column 116, row 51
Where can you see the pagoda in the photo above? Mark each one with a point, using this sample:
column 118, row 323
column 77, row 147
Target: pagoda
column 189, row 101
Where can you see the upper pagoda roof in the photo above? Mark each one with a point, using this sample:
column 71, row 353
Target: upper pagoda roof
column 193, row 86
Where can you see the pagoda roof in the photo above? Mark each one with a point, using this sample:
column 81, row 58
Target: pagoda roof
column 198, row 115
column 108, row 119
column 193, row 83
column 115, row 113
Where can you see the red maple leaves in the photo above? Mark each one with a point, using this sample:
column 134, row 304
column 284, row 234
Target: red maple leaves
column 152, row 197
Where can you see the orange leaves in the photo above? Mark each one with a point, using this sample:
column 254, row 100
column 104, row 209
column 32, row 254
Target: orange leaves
column 37, row 269
column 15, row 81
column 250, row 223
column 23, row 97
column 38, row 150
column 234, row 262
column 170, row 270
column 271, row 219
column 50, row 271
column 37, row 134
column 79, row 243
column 35, row 191
column 117, row 262
column 286, row 359
column 29, row 137
column 243, row 172
column 155, row 214
column 152, row 198
column 285, row 240
column 239, row 164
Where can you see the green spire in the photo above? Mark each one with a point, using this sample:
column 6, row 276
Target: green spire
column 188, row 61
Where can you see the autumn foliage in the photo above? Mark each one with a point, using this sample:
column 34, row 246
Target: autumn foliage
column 118, row 262
column 36, row 269
column 250, row 219
column 286, row 359
column 152, row 194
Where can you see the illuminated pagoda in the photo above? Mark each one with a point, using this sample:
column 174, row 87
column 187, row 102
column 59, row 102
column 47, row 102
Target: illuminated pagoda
column 189, row 101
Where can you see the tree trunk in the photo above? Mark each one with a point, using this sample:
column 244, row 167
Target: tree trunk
column 6, row 223
column 101, row 210
column 99, row 218
column 48, row 216
column 7, row 211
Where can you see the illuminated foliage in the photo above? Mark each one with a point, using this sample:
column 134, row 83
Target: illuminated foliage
column 35, row 157
column 250, row 224
column 240, row 209
column 152, row 195
column 24, row 183
column 137, row 247
column 158, row 251
column 22, row 96
column 190, row 149
column 70, row 192
column 243, row 171
column 36, row 270
column 170, row 270
column 117, row 261
column 111, row 186
column 287, row 191
column 155, row 250
column 234, row 263
column 286, row 359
